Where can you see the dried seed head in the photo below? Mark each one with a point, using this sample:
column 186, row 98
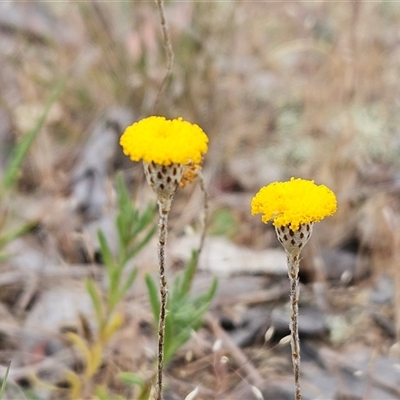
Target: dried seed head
column 294, row 241
column 164, row 179
column 190, row 172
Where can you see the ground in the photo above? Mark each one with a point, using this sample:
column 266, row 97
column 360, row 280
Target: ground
column 282, row 89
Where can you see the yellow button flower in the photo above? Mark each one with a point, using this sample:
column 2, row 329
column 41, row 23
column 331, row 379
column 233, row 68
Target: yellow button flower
column 293, row 203
column 156, row 139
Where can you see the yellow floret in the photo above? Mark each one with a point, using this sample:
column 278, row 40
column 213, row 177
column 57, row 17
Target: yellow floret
column 293, row 203
column 156, row 139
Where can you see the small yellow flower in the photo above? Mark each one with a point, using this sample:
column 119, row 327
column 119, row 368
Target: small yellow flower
column 156, row 139
column 293, row 203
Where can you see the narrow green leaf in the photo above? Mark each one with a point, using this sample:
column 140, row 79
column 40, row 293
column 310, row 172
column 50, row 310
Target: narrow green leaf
column 22, row 148
column 153, row 297
column 128, row 284
column 105, row 250
column 169, row 338
column 180, row 339
column 142, row 243
column 189, row 273
column 96, row 300
column 101, row 393
column 142, row 222
column 10, row 236
column 175, row 295
column 131, row 379
column 118, row 293
column 122, row 227
column 184, row 316
column 124, row 199
column 113, row 290
column 4, row 383
column 213, row 289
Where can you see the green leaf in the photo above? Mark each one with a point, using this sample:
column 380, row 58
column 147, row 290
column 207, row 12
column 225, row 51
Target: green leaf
column 175, row 295
column 189, row 273
column 96, row 300
column 121, row 223
column 124, row 199
column 126, row 213
column 153, row 297
column 131, row 379
column 142, row 243
column 211, row 293
column 4, row 383
column 10, row 236
column 169, row 339
column 145, row 219
column 101, row 393
column 117, row 293
column 105, row 250
column 22, row 148
column 184, row 316
column 128, row 284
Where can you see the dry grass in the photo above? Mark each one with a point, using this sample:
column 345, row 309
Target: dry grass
column 285, row 89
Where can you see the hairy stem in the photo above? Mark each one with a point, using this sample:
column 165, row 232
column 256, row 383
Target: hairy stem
column 162, row 239
column 293, row 264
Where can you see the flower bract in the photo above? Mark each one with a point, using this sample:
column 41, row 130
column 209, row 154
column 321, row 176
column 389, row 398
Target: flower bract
column 162, row 141
column 293, row 203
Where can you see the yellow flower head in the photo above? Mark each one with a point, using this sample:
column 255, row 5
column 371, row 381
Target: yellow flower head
column 293, row 203
column 163, row 141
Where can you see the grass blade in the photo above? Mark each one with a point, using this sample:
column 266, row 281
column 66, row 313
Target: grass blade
column 20, row 151
column 4, row 384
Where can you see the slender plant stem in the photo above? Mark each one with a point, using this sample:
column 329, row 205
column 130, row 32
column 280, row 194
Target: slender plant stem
column 168, row 48
column 293, row 264
column 162, row 239
column 206, row 208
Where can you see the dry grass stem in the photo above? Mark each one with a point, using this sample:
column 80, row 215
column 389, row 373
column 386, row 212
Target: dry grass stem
column 206, row 208
column 168, row 48
column 244, row 363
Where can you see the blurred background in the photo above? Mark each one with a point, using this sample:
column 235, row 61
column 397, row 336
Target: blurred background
column 302, row 89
